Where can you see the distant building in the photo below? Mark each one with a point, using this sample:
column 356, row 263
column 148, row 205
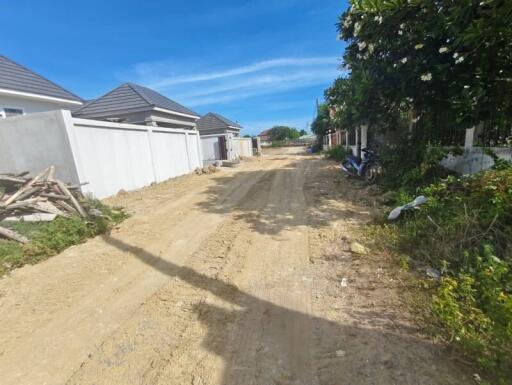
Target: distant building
column 135, row 104
column 213, row 123
column 265, row 137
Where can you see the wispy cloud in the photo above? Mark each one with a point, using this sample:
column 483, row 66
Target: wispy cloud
column 233, row 84
column 244, row 70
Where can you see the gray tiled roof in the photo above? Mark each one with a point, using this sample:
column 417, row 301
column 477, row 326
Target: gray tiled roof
column 131, row 96
column 213, row 121
column 15, row 77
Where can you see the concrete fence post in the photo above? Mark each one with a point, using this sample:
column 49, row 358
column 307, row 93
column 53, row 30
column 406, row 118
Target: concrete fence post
column 358, row 143
column 151, row 148
column 470, row 137
column 199, row 149
column 187, row 148
column 364, row 136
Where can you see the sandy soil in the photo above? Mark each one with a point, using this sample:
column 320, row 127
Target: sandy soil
column 229, row 278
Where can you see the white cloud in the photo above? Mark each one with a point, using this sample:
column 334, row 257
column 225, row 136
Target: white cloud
column 236, row 83
column 166, row 81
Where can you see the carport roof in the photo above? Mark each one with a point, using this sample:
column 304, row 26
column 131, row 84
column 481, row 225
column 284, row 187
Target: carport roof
column 130, row 96
column 15, row 77
column 213, row 121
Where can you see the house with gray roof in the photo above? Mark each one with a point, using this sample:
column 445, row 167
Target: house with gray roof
column 213, row 123
column 23, row 91
column 135, row 104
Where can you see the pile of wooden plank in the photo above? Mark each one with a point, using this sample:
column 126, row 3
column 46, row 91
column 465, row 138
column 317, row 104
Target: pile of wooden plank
column 41, row 198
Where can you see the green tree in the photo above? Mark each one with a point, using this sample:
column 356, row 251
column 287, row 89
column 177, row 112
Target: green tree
column 322, row 121
column 424, row 59
column 303, row 132
column 279, row 133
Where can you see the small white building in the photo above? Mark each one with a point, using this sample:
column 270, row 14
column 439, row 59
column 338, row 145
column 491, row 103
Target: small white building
column 22, row 91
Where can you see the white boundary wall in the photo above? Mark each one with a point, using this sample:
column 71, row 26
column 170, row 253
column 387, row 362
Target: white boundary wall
column 109, row 156
column 211, row 148
column 236, row 147
column 243, row 147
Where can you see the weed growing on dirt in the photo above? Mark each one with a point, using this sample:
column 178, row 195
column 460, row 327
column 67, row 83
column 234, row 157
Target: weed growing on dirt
column 465, row 231
column 50, row 238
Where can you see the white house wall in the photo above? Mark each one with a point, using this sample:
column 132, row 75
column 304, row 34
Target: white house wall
column 30, row 106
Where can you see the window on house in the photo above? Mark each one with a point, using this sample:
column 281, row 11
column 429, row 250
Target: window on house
column 6, row 112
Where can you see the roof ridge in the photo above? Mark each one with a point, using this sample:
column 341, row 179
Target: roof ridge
column 227, row 121
column 216, row 116
column 99, row 98
column 42, row 77
column 131, row 85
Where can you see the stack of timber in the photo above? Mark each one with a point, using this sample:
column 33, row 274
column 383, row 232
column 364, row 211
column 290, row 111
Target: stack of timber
column 41, row 198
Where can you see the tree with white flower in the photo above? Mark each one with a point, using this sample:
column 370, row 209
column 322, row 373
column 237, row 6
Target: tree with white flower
column 429, row 52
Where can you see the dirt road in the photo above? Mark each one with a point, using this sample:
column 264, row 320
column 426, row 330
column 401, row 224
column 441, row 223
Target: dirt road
column 240, row 277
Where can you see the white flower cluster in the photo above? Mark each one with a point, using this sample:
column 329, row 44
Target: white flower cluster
column 357, row 28
column 404, row 60
column 443, row 49
column 361, row 45
column 458, row 58
column 347, row 22
column 426, row 77
column 378, row 18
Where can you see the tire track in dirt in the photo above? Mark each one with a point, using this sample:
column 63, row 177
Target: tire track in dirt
column 65, row 336
column 255, row 298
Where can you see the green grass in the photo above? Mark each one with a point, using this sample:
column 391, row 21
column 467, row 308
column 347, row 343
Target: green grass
column 50, row 238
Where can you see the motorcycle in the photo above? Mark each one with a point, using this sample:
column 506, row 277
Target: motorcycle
column 367, row 168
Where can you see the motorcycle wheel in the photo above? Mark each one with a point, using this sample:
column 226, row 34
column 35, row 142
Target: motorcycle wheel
column 372, row 173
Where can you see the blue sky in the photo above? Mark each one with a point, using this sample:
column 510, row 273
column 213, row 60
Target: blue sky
column 259, row 62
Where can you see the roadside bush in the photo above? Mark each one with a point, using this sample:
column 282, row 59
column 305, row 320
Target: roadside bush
column 474, row 305
column 337, row 153
column 465, row 231
column 408, row 168
column 277, row 144
column 50, row 238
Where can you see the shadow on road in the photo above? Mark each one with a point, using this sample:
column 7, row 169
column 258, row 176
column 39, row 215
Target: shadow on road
column 283, row 197
column 262, row 343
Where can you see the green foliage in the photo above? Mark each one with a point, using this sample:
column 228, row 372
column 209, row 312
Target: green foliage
column 465, row 230
column 337, row 153
column 280, row 133
column 322, row 122
column 408, row 170
column 475, row 307
column 499, row 163
column 425, row 61
column 50, row 238
column 277, row 144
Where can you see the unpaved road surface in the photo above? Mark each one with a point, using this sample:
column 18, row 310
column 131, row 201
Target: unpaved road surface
column 230, row 278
